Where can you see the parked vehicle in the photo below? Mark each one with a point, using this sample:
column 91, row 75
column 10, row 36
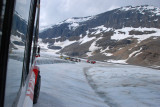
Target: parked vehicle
column 75, row 59
column 61, row 57
column 67, row 58
column 19, row 75
column 91, row 61
column 71, row 59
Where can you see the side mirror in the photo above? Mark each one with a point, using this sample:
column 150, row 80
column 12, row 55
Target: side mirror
column 38, row 52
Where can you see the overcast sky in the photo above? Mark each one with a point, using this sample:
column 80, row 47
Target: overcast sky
column 54, row 11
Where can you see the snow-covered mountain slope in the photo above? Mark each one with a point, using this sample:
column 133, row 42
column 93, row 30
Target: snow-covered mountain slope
column 18, row 36
column 126, row 33
column 140, row 16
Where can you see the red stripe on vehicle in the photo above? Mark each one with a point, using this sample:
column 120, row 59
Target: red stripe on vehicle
column 36, row 70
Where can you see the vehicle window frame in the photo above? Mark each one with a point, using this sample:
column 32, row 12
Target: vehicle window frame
column 28, row 44
column 5, row 39
column 18, row 92
column 29, row 36
column 36, row 30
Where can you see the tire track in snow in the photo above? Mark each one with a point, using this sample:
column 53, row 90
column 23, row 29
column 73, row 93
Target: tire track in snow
column 106, row 99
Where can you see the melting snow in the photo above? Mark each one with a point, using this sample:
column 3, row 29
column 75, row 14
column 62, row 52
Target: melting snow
column 102, row 51
column 57, row 37
column 64, row 43
column 100, row 29
column 117, row 61
column 93, row 47
column 43, row 45
column 86, row 39
column 20, row 32
column 108, row 54
column 140, row 38
column 156, row 20
column 16, row 38
column 135, row 53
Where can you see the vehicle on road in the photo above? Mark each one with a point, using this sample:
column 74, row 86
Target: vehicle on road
column 91, row 61
column 75, row 59
column 61, row 57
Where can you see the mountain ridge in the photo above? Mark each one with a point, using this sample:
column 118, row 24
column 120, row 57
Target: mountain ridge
column 109, row 23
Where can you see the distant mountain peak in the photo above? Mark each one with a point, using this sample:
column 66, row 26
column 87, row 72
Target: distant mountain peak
column 77, row 19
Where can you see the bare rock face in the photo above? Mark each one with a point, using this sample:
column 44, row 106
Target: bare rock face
column 150, row 53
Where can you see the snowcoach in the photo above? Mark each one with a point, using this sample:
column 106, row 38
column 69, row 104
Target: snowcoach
column 19, row 75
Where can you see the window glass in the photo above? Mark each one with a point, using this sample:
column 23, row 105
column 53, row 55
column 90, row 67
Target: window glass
column 1, row 18
column 34, row 43
column 16, row 51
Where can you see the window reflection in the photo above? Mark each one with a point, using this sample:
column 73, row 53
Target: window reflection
column 34, row 41
column 2, row 10
column 22, row 7
column 16, row 51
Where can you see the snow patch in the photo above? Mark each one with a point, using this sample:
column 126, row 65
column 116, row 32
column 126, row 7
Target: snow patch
column 135, row 53
column 100, row 29
column 108, row 54
column 57, row 37
column 20, row 32
column 16, row 38
column 74, row 22
column 117, row 61
column 156, row 20
column 43, row 45
column 119, row 36
column 155, row 38
column 102, row 51
column 64, row 43
column 44, row 28
column 73, row 26
column 93, row 47
column 85, row 39
column 78, row 20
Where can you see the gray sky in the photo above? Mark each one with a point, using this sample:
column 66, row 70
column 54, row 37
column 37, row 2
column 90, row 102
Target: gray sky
column 54, row 11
